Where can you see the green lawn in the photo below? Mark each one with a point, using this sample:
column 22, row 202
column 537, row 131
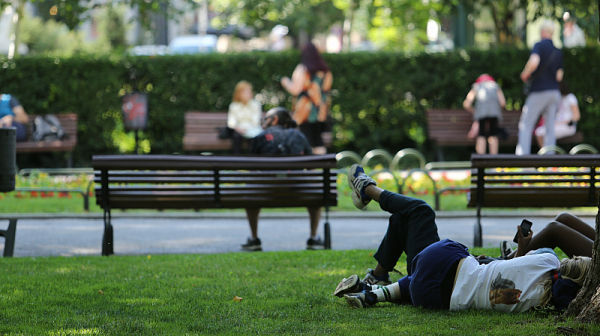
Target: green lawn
column 282, row 293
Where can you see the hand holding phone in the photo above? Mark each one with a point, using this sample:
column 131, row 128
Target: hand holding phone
column 525, row 230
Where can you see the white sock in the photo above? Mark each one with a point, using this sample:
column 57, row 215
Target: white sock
column 385, row 294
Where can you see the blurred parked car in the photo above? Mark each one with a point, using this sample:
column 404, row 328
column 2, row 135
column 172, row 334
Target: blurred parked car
column 149, row 50
column 193, row 44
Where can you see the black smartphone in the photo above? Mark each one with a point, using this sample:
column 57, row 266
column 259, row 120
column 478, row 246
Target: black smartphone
column 525, row 229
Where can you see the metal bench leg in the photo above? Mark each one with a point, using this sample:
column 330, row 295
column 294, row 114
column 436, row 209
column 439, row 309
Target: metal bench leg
column 107, row 239
column 477, row 231
column 9, row 235
column 327, row 234
column 327, row 230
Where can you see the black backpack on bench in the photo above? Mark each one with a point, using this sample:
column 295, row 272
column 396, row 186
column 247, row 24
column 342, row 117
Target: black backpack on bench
column 48, row 128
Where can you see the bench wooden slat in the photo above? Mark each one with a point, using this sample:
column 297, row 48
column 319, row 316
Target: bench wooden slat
column 534, row 181
column 534, row 197
column 189, row 162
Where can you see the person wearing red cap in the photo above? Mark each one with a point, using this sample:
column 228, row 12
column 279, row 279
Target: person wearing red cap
column 487, row 113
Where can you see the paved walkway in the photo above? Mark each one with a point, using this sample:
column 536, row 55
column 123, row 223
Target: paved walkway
column 158, row 233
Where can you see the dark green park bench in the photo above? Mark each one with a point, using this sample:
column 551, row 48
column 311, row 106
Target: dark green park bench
column 210, row 182
column 532, row 181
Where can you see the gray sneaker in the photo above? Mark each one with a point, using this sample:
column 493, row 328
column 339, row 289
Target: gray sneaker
column 363, row 299
column 371, row 280
column 505, row 251
column 358, row 180
column 350, row 285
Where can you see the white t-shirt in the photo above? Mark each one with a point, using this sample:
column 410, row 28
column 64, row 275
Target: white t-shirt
column 513, row 285
column 565, row 113
column 246, row 116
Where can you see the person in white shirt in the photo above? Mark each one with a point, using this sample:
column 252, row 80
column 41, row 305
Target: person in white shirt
column 444, row 275
column 573, row 36
column 244, row 115
column 567, row 116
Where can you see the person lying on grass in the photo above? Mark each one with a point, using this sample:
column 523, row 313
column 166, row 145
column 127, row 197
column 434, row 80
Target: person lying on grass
column 567, row 232
column 443, row 274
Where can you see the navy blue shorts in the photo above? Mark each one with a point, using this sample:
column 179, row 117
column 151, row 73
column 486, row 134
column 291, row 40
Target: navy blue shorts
column 430, row 268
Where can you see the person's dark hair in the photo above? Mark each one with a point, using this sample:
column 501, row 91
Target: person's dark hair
column 312, row 60
column 564, row 88
column 285, row 119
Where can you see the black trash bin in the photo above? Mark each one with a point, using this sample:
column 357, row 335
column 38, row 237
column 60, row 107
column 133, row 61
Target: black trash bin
column 8, row 158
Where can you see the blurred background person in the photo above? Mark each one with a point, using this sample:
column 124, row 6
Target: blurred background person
column 543, row 71
column 310, row 85
column 573, row 36
column 12, row 114
column 280, row 137
column 489, row 102
column 244, row 116
column 567, row 116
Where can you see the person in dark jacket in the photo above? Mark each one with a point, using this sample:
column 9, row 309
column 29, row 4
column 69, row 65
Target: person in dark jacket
column 280, row 137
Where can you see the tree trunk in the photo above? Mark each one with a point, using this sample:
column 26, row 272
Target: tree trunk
column 347, row 27
column 16, row 38
column 586, row 306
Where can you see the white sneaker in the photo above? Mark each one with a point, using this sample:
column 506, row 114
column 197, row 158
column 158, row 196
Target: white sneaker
column 358, row 180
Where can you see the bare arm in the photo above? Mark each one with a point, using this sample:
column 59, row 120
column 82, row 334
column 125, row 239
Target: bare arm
column 501, row 98
column 468, row 103
column 530, row 66
column 296, row 84
column 20, row 114
column 559, row 75
column 576, row 113
column 523, row 242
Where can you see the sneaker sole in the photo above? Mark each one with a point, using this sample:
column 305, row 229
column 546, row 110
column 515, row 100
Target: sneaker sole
column 347, row 286
column 252, row 249
column 351, row 173
column 315, row 247
column 356, row 200
column 354, row 301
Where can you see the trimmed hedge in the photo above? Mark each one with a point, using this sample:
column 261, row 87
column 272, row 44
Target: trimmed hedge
column 378, row 98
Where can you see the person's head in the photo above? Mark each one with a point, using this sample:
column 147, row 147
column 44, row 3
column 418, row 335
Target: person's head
column 564, row 88
column 569, row 20
column 243, row 92
column 312, row 59
column 484, row 78
column 278, row 116
column 547, row 29
column 576, row 268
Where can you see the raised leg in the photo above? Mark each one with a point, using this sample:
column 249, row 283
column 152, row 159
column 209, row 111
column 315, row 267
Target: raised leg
column 252, row 215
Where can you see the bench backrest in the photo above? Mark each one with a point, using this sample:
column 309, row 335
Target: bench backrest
column 535, row 181
column 201, row 132
column 68, row 121
column 450, row 127
column 200, row 182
